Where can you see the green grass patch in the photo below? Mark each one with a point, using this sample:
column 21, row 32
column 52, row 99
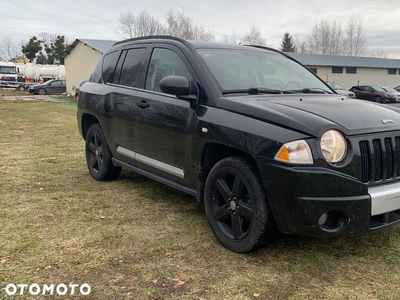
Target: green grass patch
column 134, row 238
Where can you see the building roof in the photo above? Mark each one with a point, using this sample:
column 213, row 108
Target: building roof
column 344, row 61
column 98, row 45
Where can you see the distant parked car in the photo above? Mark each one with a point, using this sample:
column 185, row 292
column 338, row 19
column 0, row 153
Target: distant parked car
column 397, row 88
column 340, row 90
column 49, row 87
column 23, row 86
column 78, row 88
column 373, row 93
column 393, row 91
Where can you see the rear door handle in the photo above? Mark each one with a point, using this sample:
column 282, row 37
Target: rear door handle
column 142, row 104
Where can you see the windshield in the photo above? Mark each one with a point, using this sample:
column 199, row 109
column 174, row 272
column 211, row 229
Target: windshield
column 336, row 86
column 378, row 89
column 7, row 70
column 389, row 89
column 243, row 70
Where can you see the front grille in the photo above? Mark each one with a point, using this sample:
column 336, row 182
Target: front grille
column 380, row 159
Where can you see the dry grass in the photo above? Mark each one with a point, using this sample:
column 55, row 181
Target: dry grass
column 134, row 238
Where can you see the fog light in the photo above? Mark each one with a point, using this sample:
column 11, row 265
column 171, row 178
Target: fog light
column 322, row 219
column 333, row 221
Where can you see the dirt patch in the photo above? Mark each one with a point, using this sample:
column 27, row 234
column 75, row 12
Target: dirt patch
column 12, row 95
column 45, row 98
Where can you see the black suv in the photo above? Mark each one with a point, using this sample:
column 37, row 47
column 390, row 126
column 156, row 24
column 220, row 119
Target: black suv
column 253, row 134
column 373, row 93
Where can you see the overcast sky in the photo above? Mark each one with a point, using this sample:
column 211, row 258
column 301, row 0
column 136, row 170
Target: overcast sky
column 98, row 19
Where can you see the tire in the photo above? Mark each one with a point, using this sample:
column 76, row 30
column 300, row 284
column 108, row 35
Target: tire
column 41, row 91
column 378, row 99
column 98, row 155
column 236, row 206
column 21, row 88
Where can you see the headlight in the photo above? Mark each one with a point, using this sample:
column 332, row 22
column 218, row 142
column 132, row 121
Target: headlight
column 297, row 152
column 333, row 146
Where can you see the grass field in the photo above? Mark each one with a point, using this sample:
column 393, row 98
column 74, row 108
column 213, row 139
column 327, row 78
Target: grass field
column 134, row 238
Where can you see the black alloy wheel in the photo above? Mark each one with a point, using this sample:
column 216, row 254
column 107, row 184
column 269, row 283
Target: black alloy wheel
column 98, row 155
column 236, row 206
column 378, row 99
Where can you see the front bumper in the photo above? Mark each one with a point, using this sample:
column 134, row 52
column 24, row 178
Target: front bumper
column 321, row 202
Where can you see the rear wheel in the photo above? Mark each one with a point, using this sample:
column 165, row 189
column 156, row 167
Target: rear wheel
column 42, row 91
column 237, row 207
column 98, row 155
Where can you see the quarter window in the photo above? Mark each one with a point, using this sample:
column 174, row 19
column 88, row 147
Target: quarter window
column 164, row 62
column 337, row 70
column 109, row 62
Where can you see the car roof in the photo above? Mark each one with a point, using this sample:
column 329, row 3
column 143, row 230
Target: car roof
column 195, row 44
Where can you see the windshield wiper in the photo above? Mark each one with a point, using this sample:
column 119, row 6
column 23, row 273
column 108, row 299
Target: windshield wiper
column 255, row 91
column 311, row 91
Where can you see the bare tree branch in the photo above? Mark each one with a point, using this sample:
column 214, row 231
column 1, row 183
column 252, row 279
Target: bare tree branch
column 181, row 26
column 233, row 38
column 355, row 43
column 8, row 49
column 254, row 37
column 141, row 25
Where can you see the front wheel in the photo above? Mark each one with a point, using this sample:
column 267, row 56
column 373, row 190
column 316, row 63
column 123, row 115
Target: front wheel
column 21, row 88
column 236, row 206
column 378, row 99
column 98, row 155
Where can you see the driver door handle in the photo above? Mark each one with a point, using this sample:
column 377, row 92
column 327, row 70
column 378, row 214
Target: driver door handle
column 142, row 104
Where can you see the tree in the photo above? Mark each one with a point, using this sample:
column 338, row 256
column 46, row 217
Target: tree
column 378, row 53
column 8, row 49
column 58, row 48
column 48, row 50
column 233, row 38
column 143, row 25
column 32, row 48
column 355, row 42
column 254, row 37
column 181, row 26
column 326, row 38
column 287, row 44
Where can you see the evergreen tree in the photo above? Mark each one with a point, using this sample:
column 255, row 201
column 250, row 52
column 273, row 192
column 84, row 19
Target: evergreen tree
column 49, row 50
column 58, row 48
column 287, row 44
column 32, row 48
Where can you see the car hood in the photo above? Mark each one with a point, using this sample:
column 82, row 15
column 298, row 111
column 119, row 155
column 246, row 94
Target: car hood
column 344, row 92
column 313, row 114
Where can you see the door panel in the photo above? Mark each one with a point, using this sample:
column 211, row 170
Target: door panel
column 165, row 125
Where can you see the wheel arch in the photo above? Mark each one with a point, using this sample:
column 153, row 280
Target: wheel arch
column 87, row 121
column 213, row 153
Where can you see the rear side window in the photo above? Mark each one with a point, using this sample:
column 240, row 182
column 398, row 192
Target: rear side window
column 132, row 69
column 164, row 62
column 109, row 63
column 97, row 73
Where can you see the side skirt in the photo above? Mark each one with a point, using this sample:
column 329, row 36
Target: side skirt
column 183, row 188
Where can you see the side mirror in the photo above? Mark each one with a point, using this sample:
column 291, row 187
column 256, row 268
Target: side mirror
column 178, row 86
